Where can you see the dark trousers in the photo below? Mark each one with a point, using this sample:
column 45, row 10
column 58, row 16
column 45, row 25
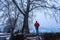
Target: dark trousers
column 37, row 31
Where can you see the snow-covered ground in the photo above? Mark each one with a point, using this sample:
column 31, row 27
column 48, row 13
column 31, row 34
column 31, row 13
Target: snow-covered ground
column 4, row 36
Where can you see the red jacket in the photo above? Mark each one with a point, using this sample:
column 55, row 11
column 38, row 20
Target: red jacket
column 36, row 25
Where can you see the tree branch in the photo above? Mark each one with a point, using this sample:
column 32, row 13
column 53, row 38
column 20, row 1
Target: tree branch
column 28, row 6
column 44, row 7
column 22, row 5
column 18, row 7
column 31, row 2
column 4, row 4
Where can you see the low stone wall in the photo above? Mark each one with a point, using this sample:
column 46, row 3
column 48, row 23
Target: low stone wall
column 2, row 38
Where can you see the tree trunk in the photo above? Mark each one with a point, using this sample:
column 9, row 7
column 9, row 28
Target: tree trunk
column 25, row 28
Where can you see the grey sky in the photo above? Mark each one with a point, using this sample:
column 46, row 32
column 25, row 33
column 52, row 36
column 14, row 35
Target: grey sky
column 47, row 23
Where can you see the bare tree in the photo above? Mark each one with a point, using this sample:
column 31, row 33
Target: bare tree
column 11, row 16
column 27, row 8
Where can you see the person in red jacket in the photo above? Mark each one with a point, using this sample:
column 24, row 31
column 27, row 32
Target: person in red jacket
column 37, row 26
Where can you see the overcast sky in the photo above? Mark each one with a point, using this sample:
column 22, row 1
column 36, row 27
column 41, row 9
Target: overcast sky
column 47, row 23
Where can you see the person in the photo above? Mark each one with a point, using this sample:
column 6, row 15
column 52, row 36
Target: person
column 36, row 26
column 37, row 32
